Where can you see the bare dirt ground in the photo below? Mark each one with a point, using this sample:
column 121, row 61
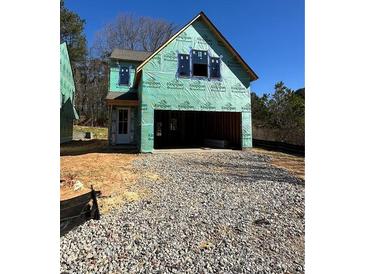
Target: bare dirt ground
column 293, row 164
column 90, row 162
column 110, row 173
column 86, row 163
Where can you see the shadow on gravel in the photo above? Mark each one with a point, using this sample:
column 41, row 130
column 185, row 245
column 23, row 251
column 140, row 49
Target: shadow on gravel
column 252, row 172
column 269, row 176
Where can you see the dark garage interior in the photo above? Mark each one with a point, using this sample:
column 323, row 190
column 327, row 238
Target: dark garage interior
column 183, row 129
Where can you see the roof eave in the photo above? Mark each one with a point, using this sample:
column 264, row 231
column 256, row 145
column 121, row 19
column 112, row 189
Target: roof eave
column 127, row 60
column 249, row 70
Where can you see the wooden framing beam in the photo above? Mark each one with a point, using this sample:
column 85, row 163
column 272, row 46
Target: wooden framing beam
column 122, row 103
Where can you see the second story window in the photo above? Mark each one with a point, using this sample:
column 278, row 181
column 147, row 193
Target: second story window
column 215, row 67
column 200, row 63
column 184, row 65
column 123, row 76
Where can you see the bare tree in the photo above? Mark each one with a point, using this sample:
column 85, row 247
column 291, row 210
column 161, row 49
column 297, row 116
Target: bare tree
column 129, row 31
column 154, row 33
column 91, row 81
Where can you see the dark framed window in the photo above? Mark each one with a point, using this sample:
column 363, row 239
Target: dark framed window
column 200, row 63
column 123, row 121
column 123, row 76
column 215, row 67
column 184, row 64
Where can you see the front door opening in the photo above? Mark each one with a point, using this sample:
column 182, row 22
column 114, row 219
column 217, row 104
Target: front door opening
column 123, row 126
column 174, row 129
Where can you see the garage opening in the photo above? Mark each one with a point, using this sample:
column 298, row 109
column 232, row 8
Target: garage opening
column 192, row 129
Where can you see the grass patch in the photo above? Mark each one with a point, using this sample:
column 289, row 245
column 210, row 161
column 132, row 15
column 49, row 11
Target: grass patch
column 151, row 176
column 131, row 196
column 205, row 245
column 100, row 133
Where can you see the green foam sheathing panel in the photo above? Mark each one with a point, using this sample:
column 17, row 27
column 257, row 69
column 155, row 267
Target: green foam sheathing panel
column 139, row 118
column 67, row 96
column 246, row 129
column 66, row 77
column 66, row 125
column 114, row 75
column 160, row 88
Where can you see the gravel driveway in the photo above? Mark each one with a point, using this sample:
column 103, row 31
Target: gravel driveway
column 224, row 212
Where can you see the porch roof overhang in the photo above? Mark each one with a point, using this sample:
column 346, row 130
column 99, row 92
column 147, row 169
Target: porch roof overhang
column 122, row 99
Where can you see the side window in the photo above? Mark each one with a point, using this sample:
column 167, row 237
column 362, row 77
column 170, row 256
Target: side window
column 215, row 67
column 200, row 63
column 184, row 64
column 123, row 76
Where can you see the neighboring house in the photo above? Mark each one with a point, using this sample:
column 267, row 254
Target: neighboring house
column 68, row 112
column 194, row 90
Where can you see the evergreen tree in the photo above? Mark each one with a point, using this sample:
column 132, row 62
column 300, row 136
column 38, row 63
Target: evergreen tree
column 284, row 109
column 72, row 32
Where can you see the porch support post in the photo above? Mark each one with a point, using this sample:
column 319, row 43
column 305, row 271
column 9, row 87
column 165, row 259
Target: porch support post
column 109, row 124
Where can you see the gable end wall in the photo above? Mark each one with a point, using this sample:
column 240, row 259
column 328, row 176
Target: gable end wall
column 162, row 89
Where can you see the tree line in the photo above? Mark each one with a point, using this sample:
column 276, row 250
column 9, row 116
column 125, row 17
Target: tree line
column 282, row 110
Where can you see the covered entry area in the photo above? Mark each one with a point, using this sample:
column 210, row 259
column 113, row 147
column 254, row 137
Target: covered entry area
column 123, row 111
column 179, row 129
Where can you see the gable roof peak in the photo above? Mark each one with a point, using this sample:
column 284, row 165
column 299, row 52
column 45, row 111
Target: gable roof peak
column 253, row 76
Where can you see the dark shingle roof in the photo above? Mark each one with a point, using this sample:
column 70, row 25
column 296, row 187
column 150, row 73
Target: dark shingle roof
column 130, row 55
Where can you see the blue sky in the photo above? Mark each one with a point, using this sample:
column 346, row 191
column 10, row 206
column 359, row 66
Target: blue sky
column 268, row 34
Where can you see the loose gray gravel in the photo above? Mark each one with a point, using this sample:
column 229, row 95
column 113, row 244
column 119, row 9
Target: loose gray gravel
column 224, row 212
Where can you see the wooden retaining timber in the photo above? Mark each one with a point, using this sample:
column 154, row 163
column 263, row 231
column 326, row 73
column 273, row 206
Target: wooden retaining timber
column 280, row 146
column 77, row 210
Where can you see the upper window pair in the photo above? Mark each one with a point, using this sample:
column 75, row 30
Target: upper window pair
column 123, row 76
column 202, row 65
